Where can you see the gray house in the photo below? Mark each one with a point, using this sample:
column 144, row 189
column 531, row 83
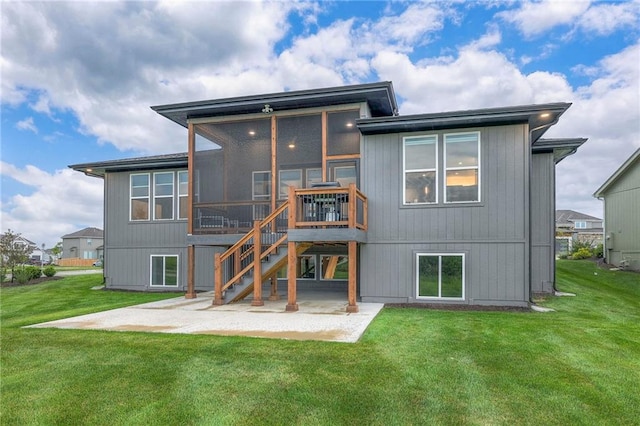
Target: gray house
column 83, row 245
column 332, row 189
column 575, row 226
column 621, row 196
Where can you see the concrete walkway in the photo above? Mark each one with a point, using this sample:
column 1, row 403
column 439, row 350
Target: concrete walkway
column 321, row 316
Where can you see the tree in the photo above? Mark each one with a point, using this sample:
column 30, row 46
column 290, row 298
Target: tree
column 57, row 250
column 13, row 253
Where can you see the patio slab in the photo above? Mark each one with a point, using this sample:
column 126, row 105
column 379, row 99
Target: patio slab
column 321, row 316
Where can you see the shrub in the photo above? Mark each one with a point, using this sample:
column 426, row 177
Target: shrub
column 598, row 251
column 34, row 272
column 582, row 253
column 21, row 275
column 49, row 271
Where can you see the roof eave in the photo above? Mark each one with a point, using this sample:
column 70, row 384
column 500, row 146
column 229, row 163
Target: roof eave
column 380, row 97
column 539, row 118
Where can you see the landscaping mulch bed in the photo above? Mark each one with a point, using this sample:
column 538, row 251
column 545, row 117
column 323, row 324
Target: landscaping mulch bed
column 30, row 282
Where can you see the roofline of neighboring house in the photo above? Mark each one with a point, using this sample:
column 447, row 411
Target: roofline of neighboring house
column 561, row 148
column 614, row 177
column 380, row 97
column 539, row 117
column 100, row 168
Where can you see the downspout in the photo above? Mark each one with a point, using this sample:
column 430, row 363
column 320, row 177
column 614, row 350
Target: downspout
column 547, row 125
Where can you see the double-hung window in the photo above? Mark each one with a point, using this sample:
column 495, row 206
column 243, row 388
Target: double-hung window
column 440, row 276
column 462, row 167
column 164, row 271
column 420, row 169
column 163, row 196
column 183, row 194
column 139, row 196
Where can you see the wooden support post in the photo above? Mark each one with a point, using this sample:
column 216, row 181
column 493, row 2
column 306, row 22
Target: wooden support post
column 292, row 304
column 191, row 266
column 274, row 289
column 257, row 265
column 353, row 258
column 217, row 277
column 353, row 203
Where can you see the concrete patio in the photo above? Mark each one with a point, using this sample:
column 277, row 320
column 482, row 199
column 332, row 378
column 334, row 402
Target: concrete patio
column 321, row 316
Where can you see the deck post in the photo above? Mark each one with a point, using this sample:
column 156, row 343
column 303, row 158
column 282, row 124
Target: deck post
column 353, row 202
column 191, row 265
column 274, row 289
column 217, row 272
column 292, row 304
column 257, row 265
column 353, row 258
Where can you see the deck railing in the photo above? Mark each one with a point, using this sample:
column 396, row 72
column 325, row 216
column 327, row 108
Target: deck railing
column 328, row 208
column 313, row 208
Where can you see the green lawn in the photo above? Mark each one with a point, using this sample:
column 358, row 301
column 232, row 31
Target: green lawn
column 578, row 365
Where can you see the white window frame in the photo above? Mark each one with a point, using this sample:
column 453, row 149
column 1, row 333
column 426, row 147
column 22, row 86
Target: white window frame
column 321, row 266
column 181, row 195
column 436, row 143
column 439, row 256
column 172, row 196
column 463, row 168
column 283, row 193
column 164, row 271
column 580, row 224
column 147, row 197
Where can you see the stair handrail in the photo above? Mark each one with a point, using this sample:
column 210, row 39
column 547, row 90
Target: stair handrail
column 219, row 287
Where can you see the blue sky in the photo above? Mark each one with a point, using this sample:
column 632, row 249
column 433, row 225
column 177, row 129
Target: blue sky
column 78, row 79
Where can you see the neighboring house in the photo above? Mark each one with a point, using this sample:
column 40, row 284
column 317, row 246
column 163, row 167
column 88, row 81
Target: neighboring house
column 621, row 196
column 332, row 189
column 574, row 226
column 24, row 242
column 82, row 245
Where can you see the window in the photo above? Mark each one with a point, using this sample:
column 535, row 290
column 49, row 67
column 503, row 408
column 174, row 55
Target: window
column 306, row 267
column 163, row 196
column 335, row 267
column 139, row 196
column 462, row 160
column 580, row 225
column 164, row 270
column 313, row 176
column 183, row 194
column 261, row 189
column 420, row 169
column 440, row 276
column 289, row 178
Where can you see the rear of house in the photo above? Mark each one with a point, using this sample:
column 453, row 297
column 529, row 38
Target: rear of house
column 331, row 188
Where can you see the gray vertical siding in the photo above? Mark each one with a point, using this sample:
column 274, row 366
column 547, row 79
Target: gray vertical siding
column 128, row 245
column 542, row 223
column 493, row 234
column 622, row 219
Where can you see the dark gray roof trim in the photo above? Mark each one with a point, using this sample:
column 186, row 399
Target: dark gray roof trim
column 380, row 97
column 469, row 118
column 165, row 161
column 561, row 148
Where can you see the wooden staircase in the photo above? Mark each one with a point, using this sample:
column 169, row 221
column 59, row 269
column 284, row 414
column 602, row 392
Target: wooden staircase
column 256, row 257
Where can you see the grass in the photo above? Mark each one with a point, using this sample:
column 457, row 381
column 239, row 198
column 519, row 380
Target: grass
column 578, row 365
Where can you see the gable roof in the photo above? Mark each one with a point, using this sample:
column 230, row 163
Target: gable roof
column 86, row 233
column 379, row 96
column 166, row 161
column 617, row 174
column 539, row 117
column 566, row 216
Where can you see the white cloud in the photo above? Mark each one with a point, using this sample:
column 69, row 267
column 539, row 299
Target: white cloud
column 605, row 18
column 27, row 124
column 535, row 18
column 62, row 202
